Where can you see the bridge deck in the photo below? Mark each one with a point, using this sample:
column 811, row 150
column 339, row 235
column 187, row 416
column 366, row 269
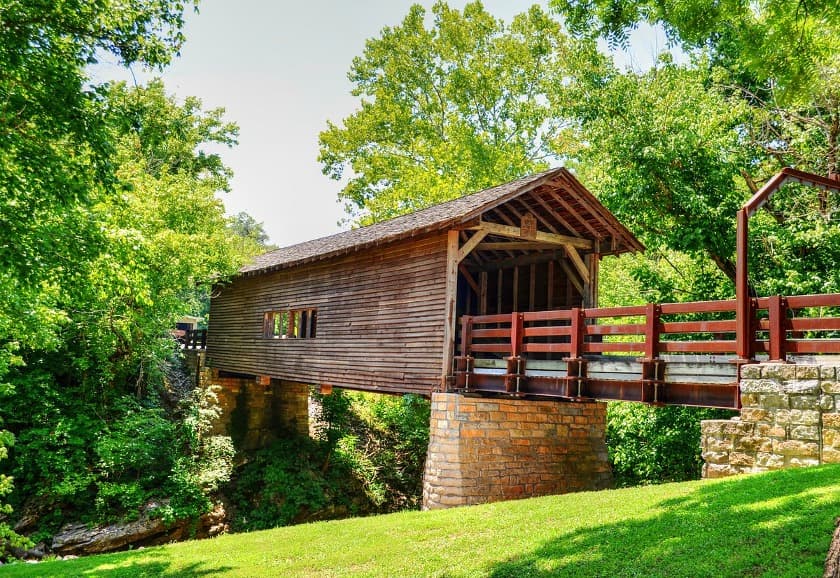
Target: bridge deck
column 673, row 353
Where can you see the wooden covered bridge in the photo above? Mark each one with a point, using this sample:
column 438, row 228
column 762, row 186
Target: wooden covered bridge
column 375, row 308
column 495, row 294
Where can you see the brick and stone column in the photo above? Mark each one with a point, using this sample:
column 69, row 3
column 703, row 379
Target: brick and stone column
column 485, row 450
column 253, row 414
column 789, row 418
column 290, row 410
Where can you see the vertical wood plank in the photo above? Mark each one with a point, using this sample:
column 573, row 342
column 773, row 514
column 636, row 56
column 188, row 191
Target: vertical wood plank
column 451, row 292
column 499, row 284
column 532, row 288
column 515, row 305
column 550, row 283
column 482, row 293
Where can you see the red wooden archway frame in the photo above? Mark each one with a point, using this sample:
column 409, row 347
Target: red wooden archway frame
column 745, row 309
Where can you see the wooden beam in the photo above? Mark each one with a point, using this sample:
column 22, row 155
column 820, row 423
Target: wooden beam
column 577, row 216
column 574, row 257
column 594, row 264
column 554, row 213
column 540, row 257
column 515, row 306
column 499, row 279
column 572, row 277
column 550, row 283
column 515, row 246
column 467, row 248
column 451, row 296
column 543, row 237
column 470, row 279
column 539, row 217
column 532, row 287
column 482, row 293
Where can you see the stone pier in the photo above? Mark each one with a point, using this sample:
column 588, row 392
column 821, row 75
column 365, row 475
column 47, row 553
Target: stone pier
column 790, row 417
column 491, row 449
column 257, row 411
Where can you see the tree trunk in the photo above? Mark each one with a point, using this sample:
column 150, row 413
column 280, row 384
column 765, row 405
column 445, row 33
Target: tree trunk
column 832, row 560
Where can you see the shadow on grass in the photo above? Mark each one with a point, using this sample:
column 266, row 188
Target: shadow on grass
column 777, row 524
column 152, row 562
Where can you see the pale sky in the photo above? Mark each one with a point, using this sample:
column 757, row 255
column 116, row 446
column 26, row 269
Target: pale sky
column 279, row 68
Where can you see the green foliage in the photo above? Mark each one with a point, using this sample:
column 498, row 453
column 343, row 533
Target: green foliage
column 56, row 153
column 97, row 438
column 793, row 43
column 282, row 485
column 246, row 227
column 663, row 151
column 381, row 439
column 655, row 444
column 83, row 461
column 8, row 538
column 449, row 109
column 760, row 94
column 368, row 456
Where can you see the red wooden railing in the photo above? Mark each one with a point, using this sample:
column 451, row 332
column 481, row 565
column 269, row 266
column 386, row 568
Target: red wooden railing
column 805, row 324
column 781, row 325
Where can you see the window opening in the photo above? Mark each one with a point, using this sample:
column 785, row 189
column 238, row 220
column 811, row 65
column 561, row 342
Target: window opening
column 290, row 324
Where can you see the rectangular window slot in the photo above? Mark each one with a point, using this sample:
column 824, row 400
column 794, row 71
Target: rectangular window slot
column 290, row 324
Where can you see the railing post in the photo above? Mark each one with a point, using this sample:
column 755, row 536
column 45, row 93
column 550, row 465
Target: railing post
column 576, row 371
column 652, row 313
column 576, row 348
column 466, row 335
column 652, row 366
column 516, row 326
column 515, row 376
column 744, row 306
column 777, row 337
column 463, row 363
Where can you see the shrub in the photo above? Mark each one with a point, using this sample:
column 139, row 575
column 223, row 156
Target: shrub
column 284, row 484
column 649, row 445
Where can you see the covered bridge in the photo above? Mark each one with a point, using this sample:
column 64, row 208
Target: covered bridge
column 375, row 308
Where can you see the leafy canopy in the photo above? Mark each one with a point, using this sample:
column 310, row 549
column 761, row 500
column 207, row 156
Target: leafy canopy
column 796, row 44
column 450, row 109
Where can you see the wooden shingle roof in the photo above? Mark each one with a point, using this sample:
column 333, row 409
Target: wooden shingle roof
column 568, row 205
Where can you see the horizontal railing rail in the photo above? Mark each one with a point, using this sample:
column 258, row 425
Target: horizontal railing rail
column 782, row 325
column 617, row 352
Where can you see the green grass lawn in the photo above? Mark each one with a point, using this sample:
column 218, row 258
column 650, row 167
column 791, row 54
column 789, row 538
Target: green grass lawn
column 776, row 524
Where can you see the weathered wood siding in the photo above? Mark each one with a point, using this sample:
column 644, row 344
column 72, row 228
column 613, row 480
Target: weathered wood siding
column 380, row 320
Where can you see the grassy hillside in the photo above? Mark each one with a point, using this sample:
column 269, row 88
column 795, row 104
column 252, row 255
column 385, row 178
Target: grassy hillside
column 776, row 524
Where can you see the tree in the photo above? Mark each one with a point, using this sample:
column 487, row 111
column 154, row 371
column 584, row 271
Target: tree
column 663, row 151
column 163, row 240
column 762, row 92
column 56, row 157
column 450, row 109
column 248, row 228
column 793, row 43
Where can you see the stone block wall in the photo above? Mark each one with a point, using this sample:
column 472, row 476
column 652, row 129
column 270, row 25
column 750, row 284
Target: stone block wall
column 254, row 414
column 485, row 450
column 790, row 417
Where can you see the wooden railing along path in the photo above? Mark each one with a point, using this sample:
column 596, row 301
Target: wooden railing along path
column 194, row 339
column 640, row 353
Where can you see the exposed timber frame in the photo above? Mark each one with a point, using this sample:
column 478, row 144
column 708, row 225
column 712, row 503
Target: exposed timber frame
column 746, row 305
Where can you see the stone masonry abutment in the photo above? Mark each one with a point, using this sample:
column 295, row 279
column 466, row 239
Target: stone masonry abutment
column 790, row 417
column 492, row 449
column 255, row 412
